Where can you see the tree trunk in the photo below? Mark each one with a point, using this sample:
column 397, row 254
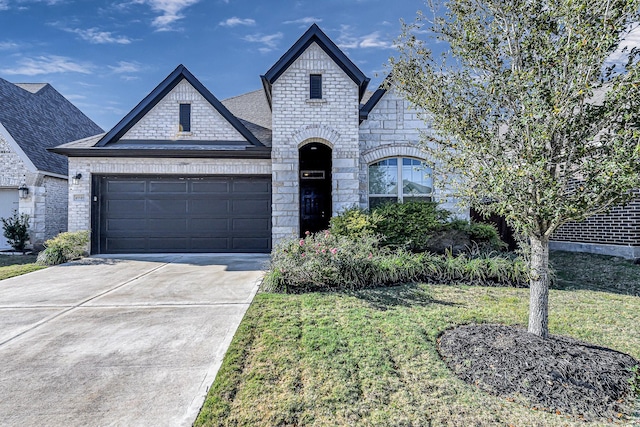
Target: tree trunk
column 539, row 287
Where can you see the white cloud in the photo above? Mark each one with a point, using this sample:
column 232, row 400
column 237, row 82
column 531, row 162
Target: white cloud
column 170, row 11
column 8, row 45
column 47, row 65
column 269, row 41
column 307, row 20
column 235, row 21
column 347, row 40
column 629, row 41
column 95, row 36
column 126, row 67
column 4, row 4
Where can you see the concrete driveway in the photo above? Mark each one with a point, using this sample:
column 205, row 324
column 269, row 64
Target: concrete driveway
column 119, row 341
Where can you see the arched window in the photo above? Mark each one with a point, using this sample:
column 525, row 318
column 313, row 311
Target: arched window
column 384, row 176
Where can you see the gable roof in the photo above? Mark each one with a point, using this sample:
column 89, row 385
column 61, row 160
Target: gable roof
column 38, row 117
column 157, row 94
column 314, row 34
column 375, row 98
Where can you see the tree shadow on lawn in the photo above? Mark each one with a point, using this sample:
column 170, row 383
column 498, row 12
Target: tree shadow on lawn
column 405, row 295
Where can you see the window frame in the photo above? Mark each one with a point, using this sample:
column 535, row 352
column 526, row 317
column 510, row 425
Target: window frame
column 399, row 195
column 181, row 127
column 318, row 78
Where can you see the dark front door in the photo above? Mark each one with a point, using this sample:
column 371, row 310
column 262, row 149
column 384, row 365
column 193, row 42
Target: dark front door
column 143, row 214
column 315, row 188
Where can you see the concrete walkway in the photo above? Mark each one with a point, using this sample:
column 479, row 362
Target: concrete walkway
column 119, row 341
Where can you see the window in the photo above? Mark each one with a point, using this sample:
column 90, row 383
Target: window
column 315, row 86
column 185, row 118
column 384, row 176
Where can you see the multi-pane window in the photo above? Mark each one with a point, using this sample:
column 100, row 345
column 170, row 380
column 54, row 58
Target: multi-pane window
column 185, row 117
column 315, row 86
column 415, row 178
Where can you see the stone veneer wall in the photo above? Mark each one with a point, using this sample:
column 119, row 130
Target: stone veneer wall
column 55, row 206
column 297, row 120
column 47, row 195
column 80, row 194
column 393, row 129
column 162, row 122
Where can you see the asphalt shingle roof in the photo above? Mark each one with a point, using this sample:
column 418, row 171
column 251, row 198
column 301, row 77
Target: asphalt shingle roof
column 39, row 117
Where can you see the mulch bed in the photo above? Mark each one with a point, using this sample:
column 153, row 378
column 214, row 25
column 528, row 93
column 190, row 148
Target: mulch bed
column 559, row 374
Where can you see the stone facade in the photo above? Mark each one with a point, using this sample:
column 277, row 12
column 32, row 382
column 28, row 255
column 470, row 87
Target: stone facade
column 394, row 129
column 46, row 203
column 162, row 122
column 298, row 120
column 80, row 193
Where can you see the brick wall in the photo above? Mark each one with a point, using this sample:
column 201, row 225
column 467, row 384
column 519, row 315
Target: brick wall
column 298, row 120
column 161, row 123
column 620, row 227
column 393, row 129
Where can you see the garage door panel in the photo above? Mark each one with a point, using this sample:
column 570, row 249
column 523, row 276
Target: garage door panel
column 126, row 187
column 209, row 225
column 248, row 207
column 210, row 206
column 119, row 208
column 214, row 187
column 251, row 187
column 169, row 206
column 185, row 214
column 168, row 187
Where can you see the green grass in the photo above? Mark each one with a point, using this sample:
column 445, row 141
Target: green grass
column 369, row 358
column 16, row 265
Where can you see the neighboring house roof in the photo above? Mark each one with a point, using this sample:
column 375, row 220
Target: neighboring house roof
column 38, row 117
column 157, row 94
column 314, row 34
column 374, row 98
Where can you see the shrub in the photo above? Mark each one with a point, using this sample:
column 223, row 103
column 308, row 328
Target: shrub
column 410, row 224
column 355, row 222
column 325, row 261
column 64, row 247
column 16, row 230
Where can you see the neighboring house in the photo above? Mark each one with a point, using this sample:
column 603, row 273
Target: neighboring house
column 184, row 172
column 33, row 118
column 615, row 233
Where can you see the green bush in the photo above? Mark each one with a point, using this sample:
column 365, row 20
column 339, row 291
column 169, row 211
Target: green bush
column 16, row 230
column 64, row 247
column 416, row 226
column 355, row 222
column 326, row 261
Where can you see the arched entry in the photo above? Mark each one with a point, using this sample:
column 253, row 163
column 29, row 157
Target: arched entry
column 315, row 187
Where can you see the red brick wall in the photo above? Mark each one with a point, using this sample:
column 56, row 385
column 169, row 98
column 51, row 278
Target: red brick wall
column 620, row 227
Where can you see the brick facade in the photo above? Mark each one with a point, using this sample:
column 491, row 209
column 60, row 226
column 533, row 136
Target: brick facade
column 162, row 122
column 298, row 120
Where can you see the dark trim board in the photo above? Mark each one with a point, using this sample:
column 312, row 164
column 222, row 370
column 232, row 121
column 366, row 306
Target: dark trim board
column 169, row 153
column 172, row 214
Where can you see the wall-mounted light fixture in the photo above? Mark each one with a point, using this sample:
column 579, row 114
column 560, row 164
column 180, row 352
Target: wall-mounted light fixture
column 23, row 191
column 76, row 178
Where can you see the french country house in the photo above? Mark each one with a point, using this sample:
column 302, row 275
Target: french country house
column 33, row 181
column 185, row 172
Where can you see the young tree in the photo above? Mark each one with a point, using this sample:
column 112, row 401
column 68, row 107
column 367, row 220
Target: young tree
column 529, row 112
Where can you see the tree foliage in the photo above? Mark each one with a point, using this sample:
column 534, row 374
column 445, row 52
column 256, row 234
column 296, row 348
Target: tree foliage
column 531, row 114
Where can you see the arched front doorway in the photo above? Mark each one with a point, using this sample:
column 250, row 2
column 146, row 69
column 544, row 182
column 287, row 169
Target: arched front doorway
column 315, row 187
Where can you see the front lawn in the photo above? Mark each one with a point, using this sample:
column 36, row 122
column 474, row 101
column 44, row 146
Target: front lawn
column 16, row 265
column 369, row 357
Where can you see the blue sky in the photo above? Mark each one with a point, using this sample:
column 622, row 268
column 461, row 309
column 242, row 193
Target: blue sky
column 105, row 56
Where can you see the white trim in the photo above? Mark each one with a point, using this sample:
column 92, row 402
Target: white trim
column 16, row 148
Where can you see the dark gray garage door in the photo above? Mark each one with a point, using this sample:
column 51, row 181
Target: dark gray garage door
column 182, row 214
